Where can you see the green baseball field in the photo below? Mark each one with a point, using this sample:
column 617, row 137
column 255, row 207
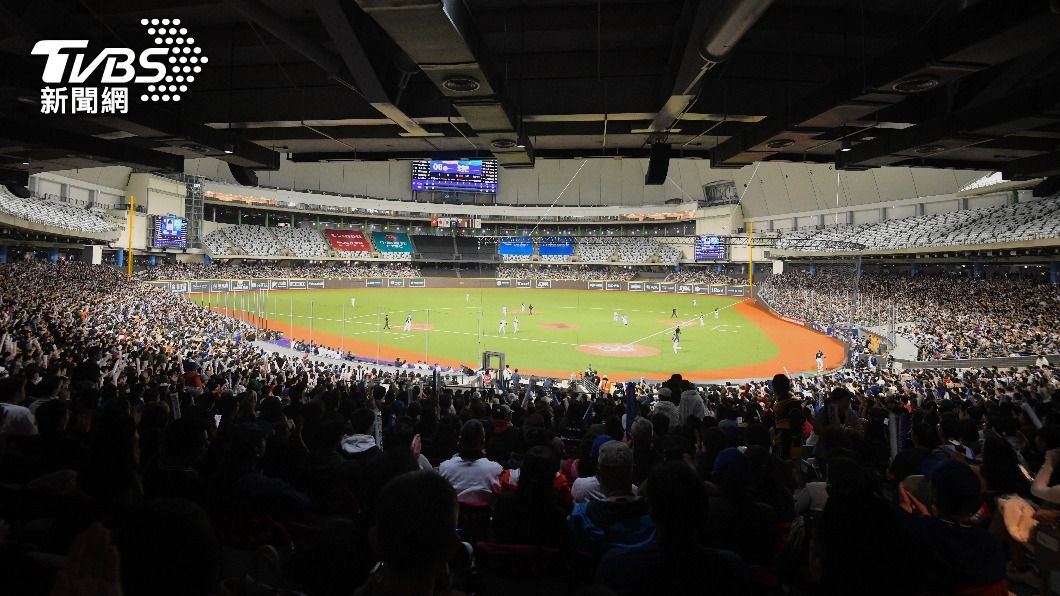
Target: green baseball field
column 567, row 331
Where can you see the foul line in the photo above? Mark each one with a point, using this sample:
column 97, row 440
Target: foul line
column 681, row 324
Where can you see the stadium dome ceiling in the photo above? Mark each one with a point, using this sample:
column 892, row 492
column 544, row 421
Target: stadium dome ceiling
column 955, row 84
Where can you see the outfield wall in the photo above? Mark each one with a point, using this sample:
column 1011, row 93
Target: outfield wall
column 202, row 286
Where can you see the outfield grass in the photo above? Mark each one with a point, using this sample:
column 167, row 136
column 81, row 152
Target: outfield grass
column 464, row 323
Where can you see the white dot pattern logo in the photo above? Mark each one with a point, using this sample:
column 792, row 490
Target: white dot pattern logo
column 168, row 33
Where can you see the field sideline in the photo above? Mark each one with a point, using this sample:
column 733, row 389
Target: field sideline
column 569, row 330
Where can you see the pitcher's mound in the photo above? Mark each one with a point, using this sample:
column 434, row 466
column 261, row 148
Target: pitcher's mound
column 618, row 350
column 558, row 326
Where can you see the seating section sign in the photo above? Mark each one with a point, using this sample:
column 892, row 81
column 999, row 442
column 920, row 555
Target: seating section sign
column 392, row 241
column 348, row 240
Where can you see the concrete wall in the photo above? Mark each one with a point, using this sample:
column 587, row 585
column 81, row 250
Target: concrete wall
column 140, row 223
column 161, row 196
column 571, row 182
column 80, row 185
column 719, row 221
column 771, row 188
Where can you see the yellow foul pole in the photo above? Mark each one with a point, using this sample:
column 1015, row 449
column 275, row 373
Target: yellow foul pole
column 132, row 218
column 751, row 253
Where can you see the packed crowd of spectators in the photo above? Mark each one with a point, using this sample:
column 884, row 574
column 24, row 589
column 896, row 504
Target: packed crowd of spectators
column 575, row 272
column 947, row 316
column 403, row 369
column 238, row 269
column 702, row 276
column 141, row 435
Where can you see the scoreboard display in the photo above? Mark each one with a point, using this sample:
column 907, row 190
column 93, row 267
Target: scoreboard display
column 457, row 175
column 710, row 248
column 169, row 231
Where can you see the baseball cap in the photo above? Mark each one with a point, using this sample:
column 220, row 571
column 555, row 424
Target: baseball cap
column 616, row 454
column 501, row 412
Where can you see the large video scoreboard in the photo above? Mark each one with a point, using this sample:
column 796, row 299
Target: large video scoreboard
column 458, row 175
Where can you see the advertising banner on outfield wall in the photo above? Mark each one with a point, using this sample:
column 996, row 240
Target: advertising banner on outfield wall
column 199, row 286
column 504, row 283
column 179, row 287
column 315, row 284
column 220, row 286
column 596, row 285
column 259, row 284
column 671, row 288
column 277, row 284
column 635, row 286
column 240, row 285
column 373, row 282
column 613, row 285
column 395, row 283
column 544, row 283
column 701, row 289
column 418, row 283
column 651, row 287
column 717, row 290
column 523, row 283
column 297, row 284
column 734, row 290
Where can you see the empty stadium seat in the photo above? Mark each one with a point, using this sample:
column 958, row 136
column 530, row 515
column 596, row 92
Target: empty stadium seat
column 1032, row 220
column 302, row 242
column 253, row 240
column 50, row 213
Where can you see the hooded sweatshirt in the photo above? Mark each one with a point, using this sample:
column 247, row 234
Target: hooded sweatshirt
column 691, row 405
column 357, row 446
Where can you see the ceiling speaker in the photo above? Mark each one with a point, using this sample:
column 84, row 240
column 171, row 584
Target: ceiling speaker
column 658, row 164
column 18, row 190
column 244, row 176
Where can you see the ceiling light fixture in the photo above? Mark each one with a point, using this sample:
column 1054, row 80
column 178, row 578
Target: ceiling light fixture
column 461, row 83
column 917, row 84
column 929, row 149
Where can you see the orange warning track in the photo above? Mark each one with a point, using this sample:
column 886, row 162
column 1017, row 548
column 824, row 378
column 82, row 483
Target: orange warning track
column 797, row 345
